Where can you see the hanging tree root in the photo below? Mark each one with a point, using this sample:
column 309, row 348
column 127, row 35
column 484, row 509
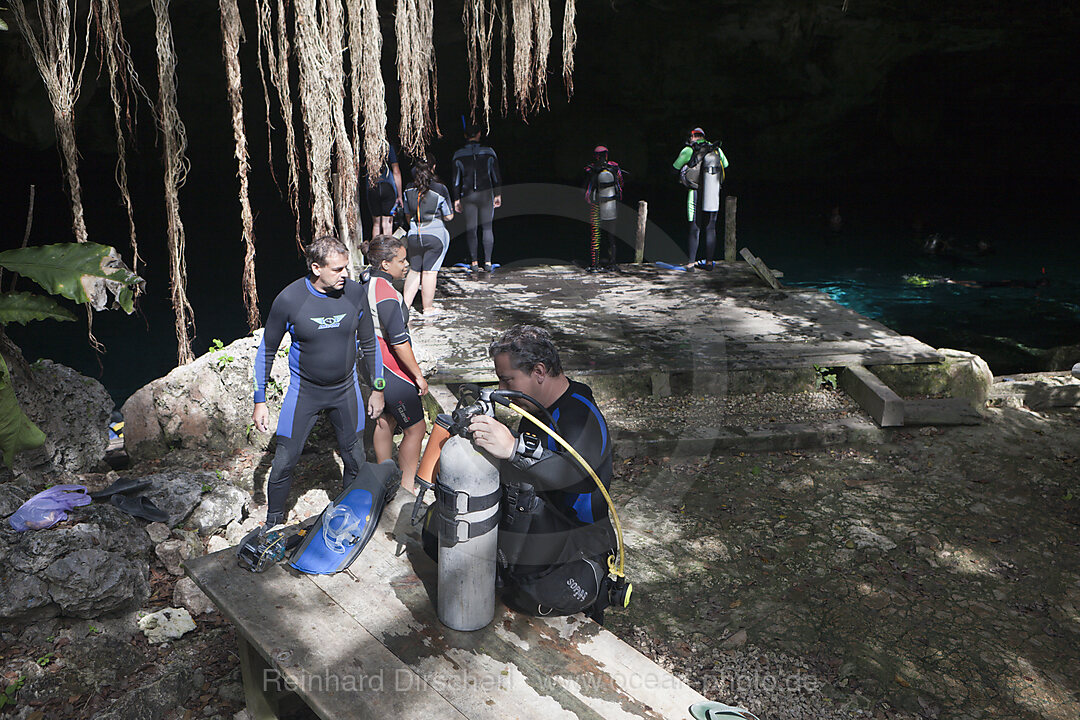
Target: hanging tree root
column 413, row 23
column 569, row 40
column 57, row 57
column 230, row 48
column 174, row 142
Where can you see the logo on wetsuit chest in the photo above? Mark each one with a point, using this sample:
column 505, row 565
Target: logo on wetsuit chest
column 326, row 323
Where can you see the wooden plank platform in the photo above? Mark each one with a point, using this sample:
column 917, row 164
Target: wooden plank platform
column 366, row 643
column 645, row 319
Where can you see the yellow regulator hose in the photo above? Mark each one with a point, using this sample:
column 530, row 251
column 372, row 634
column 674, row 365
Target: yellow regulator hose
column 614, row 569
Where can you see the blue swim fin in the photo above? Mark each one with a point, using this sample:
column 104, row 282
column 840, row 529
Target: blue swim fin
column 669, row 266
column 343, row 529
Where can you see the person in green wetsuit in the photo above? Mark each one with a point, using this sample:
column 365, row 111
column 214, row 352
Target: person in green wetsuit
column 701, row 167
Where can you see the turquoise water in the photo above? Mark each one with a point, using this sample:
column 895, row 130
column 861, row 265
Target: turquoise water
column 1020, row 298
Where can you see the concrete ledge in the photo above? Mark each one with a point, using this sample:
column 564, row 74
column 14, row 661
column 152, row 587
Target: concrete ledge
column 722, row 441
column 948, row 411
column 1037, row 391
column 874, row 396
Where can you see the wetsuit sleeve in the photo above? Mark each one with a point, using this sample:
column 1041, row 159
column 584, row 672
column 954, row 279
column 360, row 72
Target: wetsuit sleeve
column 369, row 347
column 276, row 325
column 496, row 176
column 443, row 207
column 458, row 180
column 584, row 428
column 684, row 157
column 389, row 309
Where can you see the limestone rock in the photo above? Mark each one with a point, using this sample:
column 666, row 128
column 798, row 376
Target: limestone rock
column 158, row 532
column 216, row 544
column 309, row 505
column 237, row 529
column 167, row 624
column 218, row 508
column 187, row 594
column 177, row 491
column 959, row 375
column 94, row 567
column 175, row 551
column 205, row 404
column 91, row 582
column 864, row 538
column 73, row 412
column 11, row 498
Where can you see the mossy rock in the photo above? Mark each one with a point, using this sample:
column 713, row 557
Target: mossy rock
column 959, row 375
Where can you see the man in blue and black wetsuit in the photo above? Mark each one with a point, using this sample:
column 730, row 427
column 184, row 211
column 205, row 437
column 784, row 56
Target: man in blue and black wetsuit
column 327, row 316
column 477, row 192
column 557, row 519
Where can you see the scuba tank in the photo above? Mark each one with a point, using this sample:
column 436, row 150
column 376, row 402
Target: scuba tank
column 691, row 172
column 468, row 494
column 606, row 194
column 466, row 514
column 712, row 171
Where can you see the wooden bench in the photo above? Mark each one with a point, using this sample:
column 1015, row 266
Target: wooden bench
column 366, row 643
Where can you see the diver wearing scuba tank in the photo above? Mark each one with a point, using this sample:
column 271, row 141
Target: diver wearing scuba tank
column 701, row 169
column 555, row 524
column 327, row 316
column 477, row 191
column 603, row 191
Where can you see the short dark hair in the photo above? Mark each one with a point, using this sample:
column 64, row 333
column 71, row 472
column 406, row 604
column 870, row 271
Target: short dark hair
column 321, row 249
column 472, row 130
column 528, row 346
column 381, row 248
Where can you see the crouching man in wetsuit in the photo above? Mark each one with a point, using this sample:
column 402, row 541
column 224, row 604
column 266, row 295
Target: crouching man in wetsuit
column 555, row 535
column 328, row 318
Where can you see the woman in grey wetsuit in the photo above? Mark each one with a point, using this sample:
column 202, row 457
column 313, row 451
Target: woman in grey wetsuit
column 427, row 204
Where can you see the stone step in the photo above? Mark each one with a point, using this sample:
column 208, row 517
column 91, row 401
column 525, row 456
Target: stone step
column 727, row 440
column 874, row 396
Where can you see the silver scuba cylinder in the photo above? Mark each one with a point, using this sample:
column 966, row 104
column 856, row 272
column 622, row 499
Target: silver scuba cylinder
column 468, row 495
column 712, row 178
column 606, row 195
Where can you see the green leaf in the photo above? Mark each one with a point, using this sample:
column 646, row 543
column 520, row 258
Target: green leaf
column 3, row 25
column 22, row 307
column 17, row 432
column 83, row 272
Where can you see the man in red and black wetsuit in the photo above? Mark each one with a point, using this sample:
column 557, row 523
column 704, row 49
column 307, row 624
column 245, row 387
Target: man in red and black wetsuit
column 327, row 316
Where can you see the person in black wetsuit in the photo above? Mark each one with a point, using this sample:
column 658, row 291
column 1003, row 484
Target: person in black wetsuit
column 327, row 316
column 384, row 196
column 477, row 192
column 603, row 191
column 555, row 518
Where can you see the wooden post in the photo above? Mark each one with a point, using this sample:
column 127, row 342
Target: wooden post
column 639, row 240
column 729, row 228
column 760, row 268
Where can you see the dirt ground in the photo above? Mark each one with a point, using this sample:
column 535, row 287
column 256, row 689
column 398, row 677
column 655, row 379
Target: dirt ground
column 935, row 575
